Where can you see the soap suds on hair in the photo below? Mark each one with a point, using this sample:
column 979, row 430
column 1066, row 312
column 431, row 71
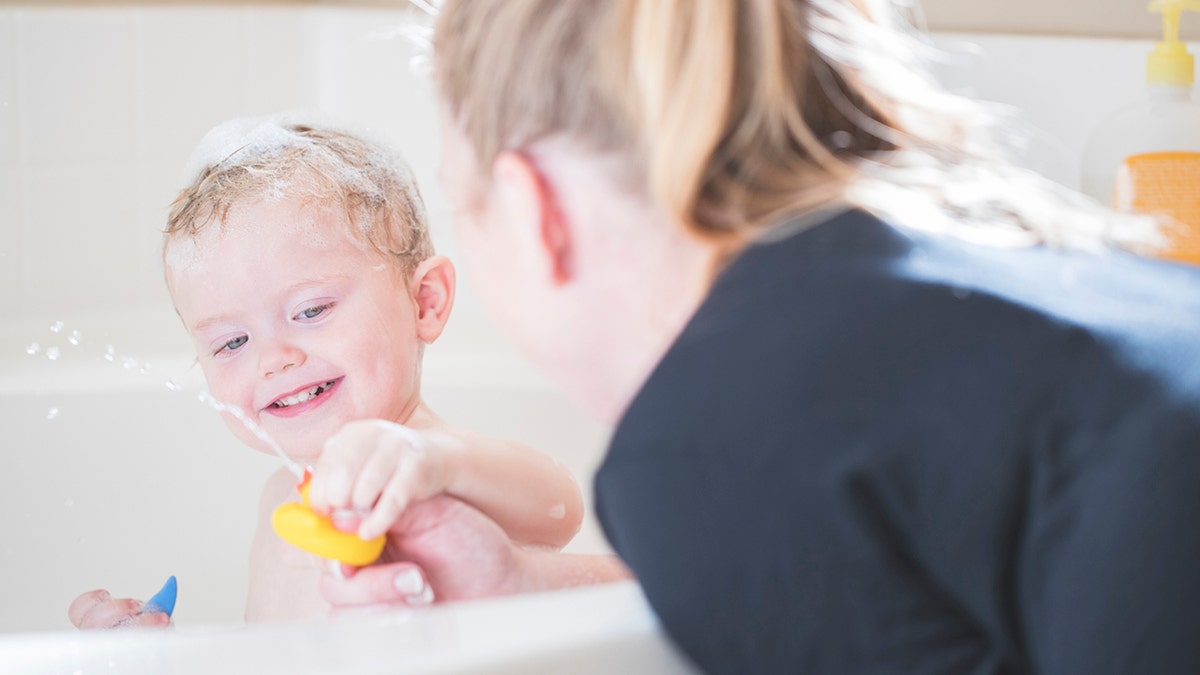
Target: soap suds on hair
column 303, row 159
column 245, row 137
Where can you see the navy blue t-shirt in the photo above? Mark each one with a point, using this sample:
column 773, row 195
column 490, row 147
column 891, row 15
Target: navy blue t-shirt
column 876, row 451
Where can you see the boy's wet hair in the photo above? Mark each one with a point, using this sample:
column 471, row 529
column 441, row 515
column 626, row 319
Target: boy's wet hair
column 248, row 160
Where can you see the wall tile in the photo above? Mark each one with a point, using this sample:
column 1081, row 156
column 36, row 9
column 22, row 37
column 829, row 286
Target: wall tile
column 79, row 238
column 191, row 76
column 10, row 240
column 1062, row 88
column 368, row 81
column 8, row 91
column 280, row 58
column 157, row 187
column 76, row 74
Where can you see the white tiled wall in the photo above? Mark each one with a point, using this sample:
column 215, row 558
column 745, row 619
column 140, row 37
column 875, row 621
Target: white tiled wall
column 100, row 108
column 190, row 67
column 1063, row 87
column 75, row 86
column 10, row 233
column 8, row 108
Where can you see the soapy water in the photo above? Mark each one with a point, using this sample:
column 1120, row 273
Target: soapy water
column 129, row 363
column 54, row 352
column 238, row 414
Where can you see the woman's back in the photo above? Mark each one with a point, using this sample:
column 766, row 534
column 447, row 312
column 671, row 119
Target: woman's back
column 873, row 451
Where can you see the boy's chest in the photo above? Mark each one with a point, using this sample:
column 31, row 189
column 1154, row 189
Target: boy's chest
column 284, row 580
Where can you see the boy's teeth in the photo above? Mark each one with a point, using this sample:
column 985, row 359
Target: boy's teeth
column 302, row 396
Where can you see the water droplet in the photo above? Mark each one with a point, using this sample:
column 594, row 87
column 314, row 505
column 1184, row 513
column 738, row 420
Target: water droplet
column 128, row 363
column 33, row 348
column 52, row 413
column 173, row 385
column 74, row 338
column 69, row 503
column 52, row 353
column 57, row 327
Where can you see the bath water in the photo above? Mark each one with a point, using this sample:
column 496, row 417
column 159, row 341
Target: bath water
column 75, row 338
column 238, row 414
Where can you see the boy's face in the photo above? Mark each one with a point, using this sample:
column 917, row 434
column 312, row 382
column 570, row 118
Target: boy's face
column 296, row 325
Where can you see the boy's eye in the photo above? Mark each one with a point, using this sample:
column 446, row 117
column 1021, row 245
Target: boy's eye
column 234, row 344
column 314, row 312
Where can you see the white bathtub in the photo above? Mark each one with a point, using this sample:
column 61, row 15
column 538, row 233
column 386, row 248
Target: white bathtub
column 130, row 482
column 601, row 629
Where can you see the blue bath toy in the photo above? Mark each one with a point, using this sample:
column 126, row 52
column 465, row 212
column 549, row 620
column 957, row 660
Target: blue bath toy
column 164, row 600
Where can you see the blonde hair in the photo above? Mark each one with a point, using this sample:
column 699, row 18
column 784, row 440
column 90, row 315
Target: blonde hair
column 246, row 160
column 735, row 114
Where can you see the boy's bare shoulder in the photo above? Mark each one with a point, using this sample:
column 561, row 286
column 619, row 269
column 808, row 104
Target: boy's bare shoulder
column 279, row 488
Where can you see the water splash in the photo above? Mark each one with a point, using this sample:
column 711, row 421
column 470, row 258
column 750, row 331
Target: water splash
column 172, row 385
column 52, row 414
column 110, row 353
column 33, row 349
column 237, row 413
column 57, row 327
column 74, row 338
column 53, row 353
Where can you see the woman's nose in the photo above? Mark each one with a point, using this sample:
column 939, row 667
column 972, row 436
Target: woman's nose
column 279, row 358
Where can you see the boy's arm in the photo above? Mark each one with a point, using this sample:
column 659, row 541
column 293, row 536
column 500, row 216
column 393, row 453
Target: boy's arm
column 380, row 468
column 442, row 549
column 534, row 498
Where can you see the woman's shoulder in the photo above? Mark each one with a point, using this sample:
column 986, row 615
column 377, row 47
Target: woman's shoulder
column 856, row 315
column 835, row 275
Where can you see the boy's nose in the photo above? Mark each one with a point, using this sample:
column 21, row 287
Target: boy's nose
column 280, row 358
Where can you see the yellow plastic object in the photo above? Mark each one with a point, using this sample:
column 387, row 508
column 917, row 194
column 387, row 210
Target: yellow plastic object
column 1165, row 184
column 1170, row 63
column 297, row 524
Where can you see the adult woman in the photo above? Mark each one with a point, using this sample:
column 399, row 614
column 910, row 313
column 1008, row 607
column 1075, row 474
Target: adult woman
column 841, row 446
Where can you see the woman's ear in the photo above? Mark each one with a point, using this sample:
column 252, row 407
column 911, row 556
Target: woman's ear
column 527, row 196
column 432, row 285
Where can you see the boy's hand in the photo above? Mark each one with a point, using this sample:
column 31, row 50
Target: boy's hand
column 379, row 468
column 98, row 610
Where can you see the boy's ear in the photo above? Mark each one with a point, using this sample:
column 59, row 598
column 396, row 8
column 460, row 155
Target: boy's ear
column 527, row 196
column 432, row 285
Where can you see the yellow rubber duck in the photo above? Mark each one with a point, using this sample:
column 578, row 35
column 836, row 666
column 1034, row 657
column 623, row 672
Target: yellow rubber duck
column 297, row 524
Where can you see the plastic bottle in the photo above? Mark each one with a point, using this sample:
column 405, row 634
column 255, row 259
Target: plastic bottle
column 1145, row 158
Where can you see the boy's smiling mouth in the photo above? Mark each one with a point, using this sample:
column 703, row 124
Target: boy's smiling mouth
column 304, row 399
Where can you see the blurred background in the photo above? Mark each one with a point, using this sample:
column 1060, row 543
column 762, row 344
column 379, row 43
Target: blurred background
column 110, row 479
